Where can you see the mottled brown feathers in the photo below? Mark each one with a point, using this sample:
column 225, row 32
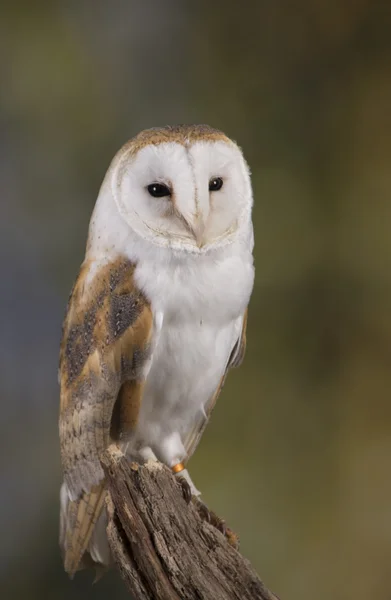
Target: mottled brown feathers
column 97, row 318
column 180, row 134
column 82, row 516
column 106, row 343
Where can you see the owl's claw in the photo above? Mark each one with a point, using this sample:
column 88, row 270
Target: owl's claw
column 202, row 510
column 218, row 523
column 210, row 517
column 186, row 489
column 207, row 515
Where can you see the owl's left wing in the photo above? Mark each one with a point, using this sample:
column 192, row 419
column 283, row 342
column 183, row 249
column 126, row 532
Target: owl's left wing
column 235, row 359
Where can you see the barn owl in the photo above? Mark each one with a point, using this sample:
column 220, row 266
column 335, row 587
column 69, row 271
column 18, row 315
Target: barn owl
column 156, row 318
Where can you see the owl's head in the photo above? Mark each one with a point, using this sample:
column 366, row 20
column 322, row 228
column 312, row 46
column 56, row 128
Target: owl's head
column 183, row 187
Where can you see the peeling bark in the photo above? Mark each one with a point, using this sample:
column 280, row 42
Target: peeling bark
column 162, row 547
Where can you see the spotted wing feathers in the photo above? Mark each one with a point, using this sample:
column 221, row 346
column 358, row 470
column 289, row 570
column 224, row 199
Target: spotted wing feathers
column 104, row 356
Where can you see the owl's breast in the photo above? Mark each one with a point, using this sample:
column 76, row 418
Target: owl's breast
column 188, row 363
column 211, row 288
column 202, row 304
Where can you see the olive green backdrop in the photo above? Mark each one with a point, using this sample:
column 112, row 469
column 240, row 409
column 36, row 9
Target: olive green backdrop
column 297, row 456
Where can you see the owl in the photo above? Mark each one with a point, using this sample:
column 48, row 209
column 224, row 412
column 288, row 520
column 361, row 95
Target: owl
column 156, row 317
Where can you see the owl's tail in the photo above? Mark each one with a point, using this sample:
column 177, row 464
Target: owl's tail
column 83, row 538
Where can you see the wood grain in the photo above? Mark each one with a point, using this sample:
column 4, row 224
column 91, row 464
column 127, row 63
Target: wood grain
column 160, row 545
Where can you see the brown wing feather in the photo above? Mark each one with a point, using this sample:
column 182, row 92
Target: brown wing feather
column 235, row 360
column 82, row 514
column 105, row 346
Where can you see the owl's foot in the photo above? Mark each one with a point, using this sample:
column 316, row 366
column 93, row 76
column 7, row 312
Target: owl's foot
column 186, row 489
column 210, row 517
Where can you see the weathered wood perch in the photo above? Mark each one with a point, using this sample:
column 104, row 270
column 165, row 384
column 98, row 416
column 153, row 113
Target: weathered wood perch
column 160, row 544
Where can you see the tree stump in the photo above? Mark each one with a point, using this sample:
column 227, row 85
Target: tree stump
column 160, row 544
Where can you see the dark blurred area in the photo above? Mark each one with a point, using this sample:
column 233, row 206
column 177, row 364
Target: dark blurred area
column 297, row 455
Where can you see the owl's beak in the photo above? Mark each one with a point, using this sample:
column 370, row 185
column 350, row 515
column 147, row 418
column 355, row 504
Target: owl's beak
column 198, row 232
column 196, row 228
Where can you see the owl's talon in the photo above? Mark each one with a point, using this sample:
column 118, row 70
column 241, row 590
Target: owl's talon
column 202, row 509
column 210, row 517
column 221, row 526
column 186, row 489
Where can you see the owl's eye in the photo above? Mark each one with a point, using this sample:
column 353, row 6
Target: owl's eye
column 158, row 190
column 215, row 184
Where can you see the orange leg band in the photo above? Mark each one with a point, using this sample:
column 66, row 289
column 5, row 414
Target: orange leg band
column 178, row 468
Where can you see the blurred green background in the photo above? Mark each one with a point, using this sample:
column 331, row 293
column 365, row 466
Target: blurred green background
column 297, row 456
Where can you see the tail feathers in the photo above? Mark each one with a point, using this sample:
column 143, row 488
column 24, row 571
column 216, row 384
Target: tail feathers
column 77, row 522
